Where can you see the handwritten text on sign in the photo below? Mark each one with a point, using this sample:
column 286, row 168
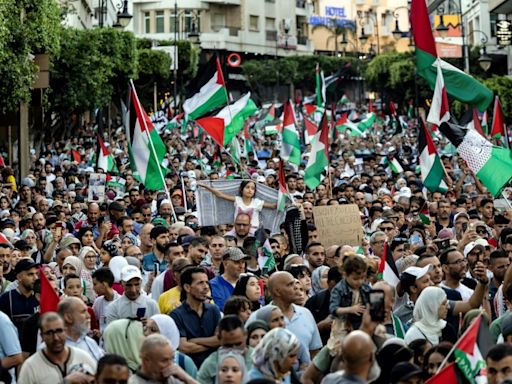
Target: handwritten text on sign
column 338, row 224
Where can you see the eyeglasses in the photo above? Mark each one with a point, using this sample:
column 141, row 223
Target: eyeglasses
column 458, row 262
column 481, row 230
column 53, row 332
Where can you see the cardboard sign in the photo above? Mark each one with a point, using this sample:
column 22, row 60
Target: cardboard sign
column 338, row 225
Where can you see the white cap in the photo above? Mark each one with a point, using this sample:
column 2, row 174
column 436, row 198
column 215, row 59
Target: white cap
column 419, row 272
column 470, row 246
column 481, row 241
column 344, row 175
column 405, row 191
column 130, row 272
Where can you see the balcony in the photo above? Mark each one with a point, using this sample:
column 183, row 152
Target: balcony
column 271, row 35
column 232, row 31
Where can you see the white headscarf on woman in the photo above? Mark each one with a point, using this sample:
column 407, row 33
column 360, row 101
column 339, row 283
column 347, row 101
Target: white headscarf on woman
column 426, row 313
column 168, row 328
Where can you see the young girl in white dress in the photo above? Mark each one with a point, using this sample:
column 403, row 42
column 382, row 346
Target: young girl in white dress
column 246, row 202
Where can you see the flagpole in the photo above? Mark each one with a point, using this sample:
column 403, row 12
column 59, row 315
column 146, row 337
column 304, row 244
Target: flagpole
column 156, row 157
column 184, row 194
column 506, row 199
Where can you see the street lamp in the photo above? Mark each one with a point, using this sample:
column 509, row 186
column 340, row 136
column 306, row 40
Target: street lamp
column 397, row 33
column 484, row 60
column 123, row 16
column 368, row 15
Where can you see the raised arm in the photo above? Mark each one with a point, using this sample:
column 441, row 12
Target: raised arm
column 218, row 193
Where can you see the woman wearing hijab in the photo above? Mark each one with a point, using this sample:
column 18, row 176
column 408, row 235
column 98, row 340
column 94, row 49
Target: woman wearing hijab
column 165, row 325
column 89, row 258
column 124, row 337
column 73, row 264
column 231, row 369
column 429, row 313
column 319, row 279
column 274, row 356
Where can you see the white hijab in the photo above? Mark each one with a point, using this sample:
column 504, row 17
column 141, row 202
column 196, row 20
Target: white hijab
column 426, row 313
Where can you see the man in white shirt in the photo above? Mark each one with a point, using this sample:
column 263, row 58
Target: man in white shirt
column 77, row 322
column 53, row 363
column 132, row 304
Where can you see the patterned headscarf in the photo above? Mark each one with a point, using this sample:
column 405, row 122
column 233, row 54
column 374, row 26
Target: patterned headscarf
column 275, row 346
column 316, row 279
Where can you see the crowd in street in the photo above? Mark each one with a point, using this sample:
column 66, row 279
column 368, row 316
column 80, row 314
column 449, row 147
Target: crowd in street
column 149, row 295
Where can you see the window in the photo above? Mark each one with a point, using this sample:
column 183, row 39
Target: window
column 270, row 24
column 253, row 23
column 147, row 22
column 174, row 23
column 159, row 21
column 218, row 22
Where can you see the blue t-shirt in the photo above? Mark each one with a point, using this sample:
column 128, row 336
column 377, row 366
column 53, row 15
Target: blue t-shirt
column 221, row 291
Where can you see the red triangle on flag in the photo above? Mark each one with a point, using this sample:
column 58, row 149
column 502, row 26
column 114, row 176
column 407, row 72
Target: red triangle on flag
column 311, row 127
column 49, row 300
column 281, row 179
column 310, row 108
column 476, row 122
column 214, row 126
column 430, row 143
column 103, row 148
column 498, row 120
column 343, row 119
column 142, row 117
column 76, row 155
column 446, row 375
column 324, row 134
column 220, row 75
column 289, row 115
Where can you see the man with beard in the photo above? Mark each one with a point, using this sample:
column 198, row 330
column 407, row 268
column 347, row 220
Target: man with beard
column 51, row 364
column 21, row 303
column 454, row 266
column 498, row 265
column 242, row 228
column 216, row 250
column 436, row 272
column 444, row 211
column 315, row 255
column 132, row 304
column 77, row 323
column 159, row 236
column 7, row 269
column 196, row 319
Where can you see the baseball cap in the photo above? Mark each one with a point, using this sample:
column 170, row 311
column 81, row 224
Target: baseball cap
column 7, row 221
column 234, row 254
column 130, row 272
column 25, row 265
column 418, row 272
column 460, row 214
column 482, row 242
column 403, row 371
column 469, row 247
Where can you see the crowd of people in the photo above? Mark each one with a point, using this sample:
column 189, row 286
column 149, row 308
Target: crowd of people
column 149, row 295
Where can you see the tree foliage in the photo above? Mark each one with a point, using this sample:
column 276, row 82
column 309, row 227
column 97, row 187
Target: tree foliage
column 26, row 27
column 501, row 86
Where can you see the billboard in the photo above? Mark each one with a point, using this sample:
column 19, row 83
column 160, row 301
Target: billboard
column 451, row 45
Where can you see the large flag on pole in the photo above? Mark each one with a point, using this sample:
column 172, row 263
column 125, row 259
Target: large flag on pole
column 432, row 171
column 206, row 92
column 319, row 155
column 492, row 164
column 290, row 150
column 387, row 267
column 459, row 85
column 439, row 109
column 147, row 148
column 224, row 126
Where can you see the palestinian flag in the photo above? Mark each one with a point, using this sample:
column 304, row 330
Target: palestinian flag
column 387, row 267
column 469, row 351
column 393, row 164
column 492, row 164
column 49, row 300
column 459, row 85
column 224, row 126
column 147, row 150
column 439, row 109
column 367, row 122
column 235, row 150
column 432, row 171
column 283, row 189
column 498, row 121
column 266, row 259
column 105, row 158
column 310, row 130
column 319, row 155
column 343, row 124
column 475, row 123
column 485, row 125
column 410, row 110
column 248, row 143
column 74, row 153
column 206, row 92
column 271, row 114
column 290, row 151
